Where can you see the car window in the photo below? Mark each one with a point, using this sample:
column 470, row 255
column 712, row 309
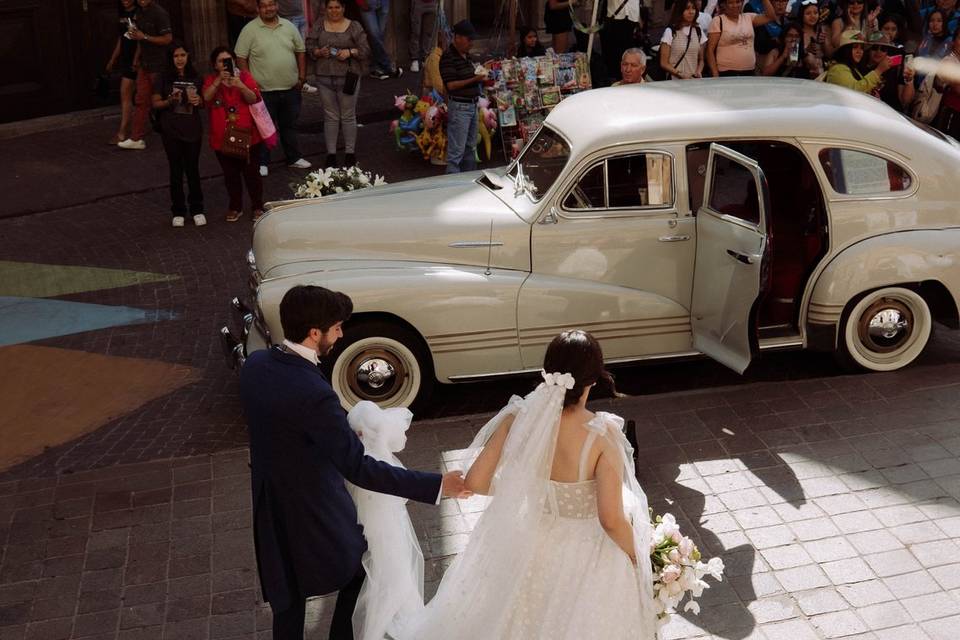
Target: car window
column 624, row 182
column 641, row 180
column 859, row 173
column 733, row 190
column 541, row 162
column 589, row 192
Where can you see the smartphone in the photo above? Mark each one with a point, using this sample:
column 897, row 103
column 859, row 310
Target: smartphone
column 228, row 65
column 908, row 60
column 795, row 52
column 896, row 61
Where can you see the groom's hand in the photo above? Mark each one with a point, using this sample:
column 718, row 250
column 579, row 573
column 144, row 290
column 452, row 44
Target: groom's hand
column 453, row 487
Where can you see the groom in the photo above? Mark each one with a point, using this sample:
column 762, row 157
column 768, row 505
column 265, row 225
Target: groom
column 305, row 529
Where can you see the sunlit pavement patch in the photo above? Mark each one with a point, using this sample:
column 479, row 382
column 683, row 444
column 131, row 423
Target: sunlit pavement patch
column 51, row 396
column 33, row 280
column 28, row 319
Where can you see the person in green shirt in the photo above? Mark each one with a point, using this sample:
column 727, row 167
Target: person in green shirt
column 270, row 48
column 846, row 71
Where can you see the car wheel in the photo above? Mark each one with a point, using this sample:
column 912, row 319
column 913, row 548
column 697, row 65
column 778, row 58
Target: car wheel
column 886, row 330
column 381, row 363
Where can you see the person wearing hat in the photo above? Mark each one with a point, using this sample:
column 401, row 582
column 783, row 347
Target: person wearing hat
column 896, row 84
column 846, row 71
column 463, row 80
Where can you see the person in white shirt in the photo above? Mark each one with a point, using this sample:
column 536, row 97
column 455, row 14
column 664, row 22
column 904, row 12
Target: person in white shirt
column 682, row 44
column 617, row 35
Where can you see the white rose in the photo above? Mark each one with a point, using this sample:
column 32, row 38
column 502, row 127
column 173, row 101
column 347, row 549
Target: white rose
column 686, row 546
column 715, row 567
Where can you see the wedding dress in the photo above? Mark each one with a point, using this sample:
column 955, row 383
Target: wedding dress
column 538, row 564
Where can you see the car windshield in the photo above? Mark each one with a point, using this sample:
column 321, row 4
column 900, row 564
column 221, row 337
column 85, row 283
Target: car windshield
column 540, row 164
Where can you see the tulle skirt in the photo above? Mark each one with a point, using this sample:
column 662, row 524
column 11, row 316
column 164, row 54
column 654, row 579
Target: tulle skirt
column 580, row 585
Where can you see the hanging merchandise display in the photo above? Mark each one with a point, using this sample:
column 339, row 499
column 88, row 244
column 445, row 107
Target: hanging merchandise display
column 525, row 89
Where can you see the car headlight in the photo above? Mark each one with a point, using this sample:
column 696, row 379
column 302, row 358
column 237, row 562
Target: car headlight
column 251, row 260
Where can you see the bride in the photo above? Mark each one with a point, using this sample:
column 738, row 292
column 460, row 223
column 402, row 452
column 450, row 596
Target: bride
column 562, row 549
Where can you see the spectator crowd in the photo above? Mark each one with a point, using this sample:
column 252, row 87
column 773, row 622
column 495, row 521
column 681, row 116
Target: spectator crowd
column 903, row 52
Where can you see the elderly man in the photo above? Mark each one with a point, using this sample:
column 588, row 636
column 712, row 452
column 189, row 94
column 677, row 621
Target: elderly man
column 270, row 47
column 633, row 67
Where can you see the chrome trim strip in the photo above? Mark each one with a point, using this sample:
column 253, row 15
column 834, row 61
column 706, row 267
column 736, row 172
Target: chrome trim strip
column 472, row 244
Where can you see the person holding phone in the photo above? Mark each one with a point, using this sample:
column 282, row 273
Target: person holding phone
column 228, row 93
column 124, row 59
column 896, row 83
column 814, row 35
column 176, row 97
column 847, row 70
column 152, row 31
column 340, row 51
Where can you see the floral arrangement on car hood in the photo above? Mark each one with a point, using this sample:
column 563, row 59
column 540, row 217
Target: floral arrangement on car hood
column 324, row 182
column 677, row 569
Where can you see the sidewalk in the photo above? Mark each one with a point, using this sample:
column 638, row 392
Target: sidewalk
column 833, row 506
column 74, row 166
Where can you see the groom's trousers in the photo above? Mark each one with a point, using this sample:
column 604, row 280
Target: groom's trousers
column 288, row 624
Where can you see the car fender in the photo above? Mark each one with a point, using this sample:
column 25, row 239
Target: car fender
column 465, row 315
column 902, row 258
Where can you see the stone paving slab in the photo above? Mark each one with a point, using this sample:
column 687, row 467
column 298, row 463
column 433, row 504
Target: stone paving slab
column 850, row 530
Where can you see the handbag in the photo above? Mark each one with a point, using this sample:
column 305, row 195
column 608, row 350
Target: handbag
column 236, row 140
column 350, row 79
column 264, row 123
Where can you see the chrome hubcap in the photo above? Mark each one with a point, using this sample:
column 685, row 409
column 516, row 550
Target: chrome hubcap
column 375, row 375
column 886, row 325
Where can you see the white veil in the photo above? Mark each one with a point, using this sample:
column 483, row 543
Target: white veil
column 475, row 597
column 393, row 561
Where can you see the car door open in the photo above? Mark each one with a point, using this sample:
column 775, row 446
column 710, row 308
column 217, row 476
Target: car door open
column 731, row 247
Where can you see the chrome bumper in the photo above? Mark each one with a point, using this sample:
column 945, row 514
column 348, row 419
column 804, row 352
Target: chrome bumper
column 253, row 336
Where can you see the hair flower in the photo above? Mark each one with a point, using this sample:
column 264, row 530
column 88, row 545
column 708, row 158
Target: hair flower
column 558, row 379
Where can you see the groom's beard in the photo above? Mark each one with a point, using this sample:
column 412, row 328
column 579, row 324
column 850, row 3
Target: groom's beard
column 324, row 348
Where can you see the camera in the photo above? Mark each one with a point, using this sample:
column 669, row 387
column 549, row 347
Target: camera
column 228, row 66
column 334, row 51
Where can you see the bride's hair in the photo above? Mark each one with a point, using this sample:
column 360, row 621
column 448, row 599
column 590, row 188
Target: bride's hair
column 579, row 354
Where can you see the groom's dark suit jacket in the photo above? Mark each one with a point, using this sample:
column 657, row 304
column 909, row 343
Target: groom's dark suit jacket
column 305, row 526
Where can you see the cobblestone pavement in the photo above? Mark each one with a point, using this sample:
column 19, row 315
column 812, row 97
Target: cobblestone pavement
column 833, row 499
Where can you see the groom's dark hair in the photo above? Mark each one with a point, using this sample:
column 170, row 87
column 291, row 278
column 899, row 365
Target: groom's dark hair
column 306, row 307
column 579, row 354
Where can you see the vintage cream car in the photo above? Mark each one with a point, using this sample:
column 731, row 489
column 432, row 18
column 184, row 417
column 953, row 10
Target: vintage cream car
column 721, row 217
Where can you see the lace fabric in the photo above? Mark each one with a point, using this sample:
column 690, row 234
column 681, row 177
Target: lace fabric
column 536, row 567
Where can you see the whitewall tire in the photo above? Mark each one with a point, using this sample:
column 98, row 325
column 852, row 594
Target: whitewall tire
column 381, row 364
column 886, row 329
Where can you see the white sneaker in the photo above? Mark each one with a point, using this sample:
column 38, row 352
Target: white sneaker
column 300, row 164
column 199, row 219
column 415, row 66
column 264, row 171
column 178, row 221
column 309, row 88
column 130, row 143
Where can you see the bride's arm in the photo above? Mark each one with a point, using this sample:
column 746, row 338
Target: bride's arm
column 610, row 504
column 481, row 472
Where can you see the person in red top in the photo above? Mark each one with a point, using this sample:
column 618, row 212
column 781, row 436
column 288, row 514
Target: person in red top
column 228, row 93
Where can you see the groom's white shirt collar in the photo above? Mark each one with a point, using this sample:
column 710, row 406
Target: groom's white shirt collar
column 302, row 351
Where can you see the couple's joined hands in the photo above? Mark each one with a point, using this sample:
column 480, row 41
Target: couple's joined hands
column 453, row 486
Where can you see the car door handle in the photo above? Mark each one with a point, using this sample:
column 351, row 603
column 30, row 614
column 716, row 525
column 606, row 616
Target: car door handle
column 680, row 238
column 745, row 258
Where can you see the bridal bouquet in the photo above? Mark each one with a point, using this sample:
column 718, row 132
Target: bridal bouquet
column 324, row 182
column 677, row 569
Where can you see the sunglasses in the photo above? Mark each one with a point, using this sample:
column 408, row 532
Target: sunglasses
column 807, row 3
